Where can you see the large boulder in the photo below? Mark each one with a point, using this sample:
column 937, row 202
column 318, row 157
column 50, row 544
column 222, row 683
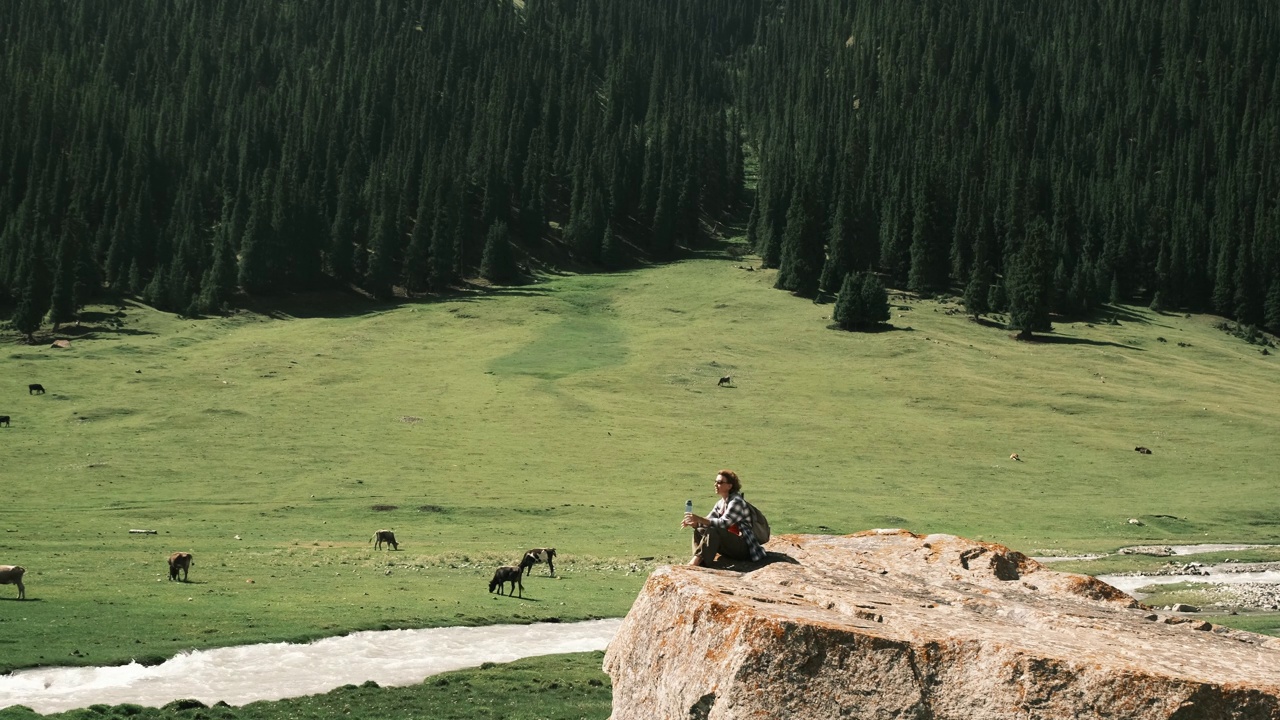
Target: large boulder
column 889, row 624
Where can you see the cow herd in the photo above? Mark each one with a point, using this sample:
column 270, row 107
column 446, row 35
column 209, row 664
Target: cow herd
column 33, row 388
column 180, row 564
column 514, row 573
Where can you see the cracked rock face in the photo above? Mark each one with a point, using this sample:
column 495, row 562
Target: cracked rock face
column 889, row 624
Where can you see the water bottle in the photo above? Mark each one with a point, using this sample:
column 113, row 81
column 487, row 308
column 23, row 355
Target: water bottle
column 688, row 507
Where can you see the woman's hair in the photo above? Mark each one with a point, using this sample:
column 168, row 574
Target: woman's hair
column 735, row 485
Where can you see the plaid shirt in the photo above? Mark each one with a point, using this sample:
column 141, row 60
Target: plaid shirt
column 733, row 511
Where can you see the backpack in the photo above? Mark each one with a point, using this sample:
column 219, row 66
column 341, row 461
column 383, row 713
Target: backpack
column 759, row 523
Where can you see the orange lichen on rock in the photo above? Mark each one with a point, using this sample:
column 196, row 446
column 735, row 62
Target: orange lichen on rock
column 889, row 623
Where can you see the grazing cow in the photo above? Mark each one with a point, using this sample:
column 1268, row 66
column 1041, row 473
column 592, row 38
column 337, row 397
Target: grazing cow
column 535, row 556
column 12, row 575
column 1015, row 457
column 4, row 420
column 1143, row 450
column 180, row 561
column 385, row 536
column 35, row 389
column 506, row 574
column 726, row 380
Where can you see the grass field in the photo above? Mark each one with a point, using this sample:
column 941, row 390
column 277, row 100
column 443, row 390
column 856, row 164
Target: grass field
column 578, row 412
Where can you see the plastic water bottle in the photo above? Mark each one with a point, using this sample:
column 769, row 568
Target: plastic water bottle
column 688, row 507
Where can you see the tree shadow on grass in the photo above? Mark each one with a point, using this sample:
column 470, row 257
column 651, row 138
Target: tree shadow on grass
column 873, row 329
column 1064, row 340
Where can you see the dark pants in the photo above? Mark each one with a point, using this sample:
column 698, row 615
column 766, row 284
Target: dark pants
column 707, row 541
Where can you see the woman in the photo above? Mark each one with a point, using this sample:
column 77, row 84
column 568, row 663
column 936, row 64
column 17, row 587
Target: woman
column 727, row 530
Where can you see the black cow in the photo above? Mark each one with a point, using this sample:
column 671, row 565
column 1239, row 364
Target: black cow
column 726, row 380
column 1143, row 450
column 4, row 420
column 35, row 389
column 502, row 576
column 385, row 537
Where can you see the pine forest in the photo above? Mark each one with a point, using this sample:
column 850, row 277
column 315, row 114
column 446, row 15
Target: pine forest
column 1039, row 158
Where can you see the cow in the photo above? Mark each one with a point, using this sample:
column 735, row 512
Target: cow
column 534, row 556
column 385, row 536
column 1143, row 450
column 506, row 574
column 727, row 380
column 35, row 389
column 1015, row 457
column 4, row 420
column 180, row 561
column 12, row 575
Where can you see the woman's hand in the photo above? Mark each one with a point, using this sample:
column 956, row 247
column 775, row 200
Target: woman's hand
column 690, row 520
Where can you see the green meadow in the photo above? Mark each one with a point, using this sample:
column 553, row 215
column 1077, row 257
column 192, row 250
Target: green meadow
column 578, row 412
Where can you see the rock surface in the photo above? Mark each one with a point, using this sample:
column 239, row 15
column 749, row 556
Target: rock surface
column 888, row 624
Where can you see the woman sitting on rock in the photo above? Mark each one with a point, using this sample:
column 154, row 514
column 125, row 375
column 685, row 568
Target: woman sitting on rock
column 727, row 530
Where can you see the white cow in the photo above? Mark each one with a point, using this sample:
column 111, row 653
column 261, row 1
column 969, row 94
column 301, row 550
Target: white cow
column 12, row 575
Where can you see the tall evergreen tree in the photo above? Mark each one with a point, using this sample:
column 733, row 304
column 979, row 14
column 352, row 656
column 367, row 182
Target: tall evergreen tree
column 1273, row 307
column 1030, row 283
column 977, row 292
column 802, row 256
column 499, row 263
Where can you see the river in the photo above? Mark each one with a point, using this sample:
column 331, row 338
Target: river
column 272, row 671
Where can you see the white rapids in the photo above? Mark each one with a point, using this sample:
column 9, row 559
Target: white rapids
column 272, row 671
column 1130, row 583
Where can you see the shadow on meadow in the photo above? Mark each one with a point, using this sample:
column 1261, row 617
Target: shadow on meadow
column 1067, row 340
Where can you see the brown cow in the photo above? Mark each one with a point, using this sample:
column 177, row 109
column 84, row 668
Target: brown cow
column 12, row 575
column 180, row 561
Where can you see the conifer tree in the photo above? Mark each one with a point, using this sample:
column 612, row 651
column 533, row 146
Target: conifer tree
column 62, row 307
column 219, row 280
column 384, row 241
column 801, row 262
column 1029, row 283
column 253, row 275
column 33, row 297
column 839, row 261
column 977, row 292
column 27, row 314
column 499, row 263
column 862, row 303
column 1273, row 306
column 997, row 298
column 928, row 271
column 611, row 251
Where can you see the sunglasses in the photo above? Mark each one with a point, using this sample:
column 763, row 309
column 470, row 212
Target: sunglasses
column 723, row 482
